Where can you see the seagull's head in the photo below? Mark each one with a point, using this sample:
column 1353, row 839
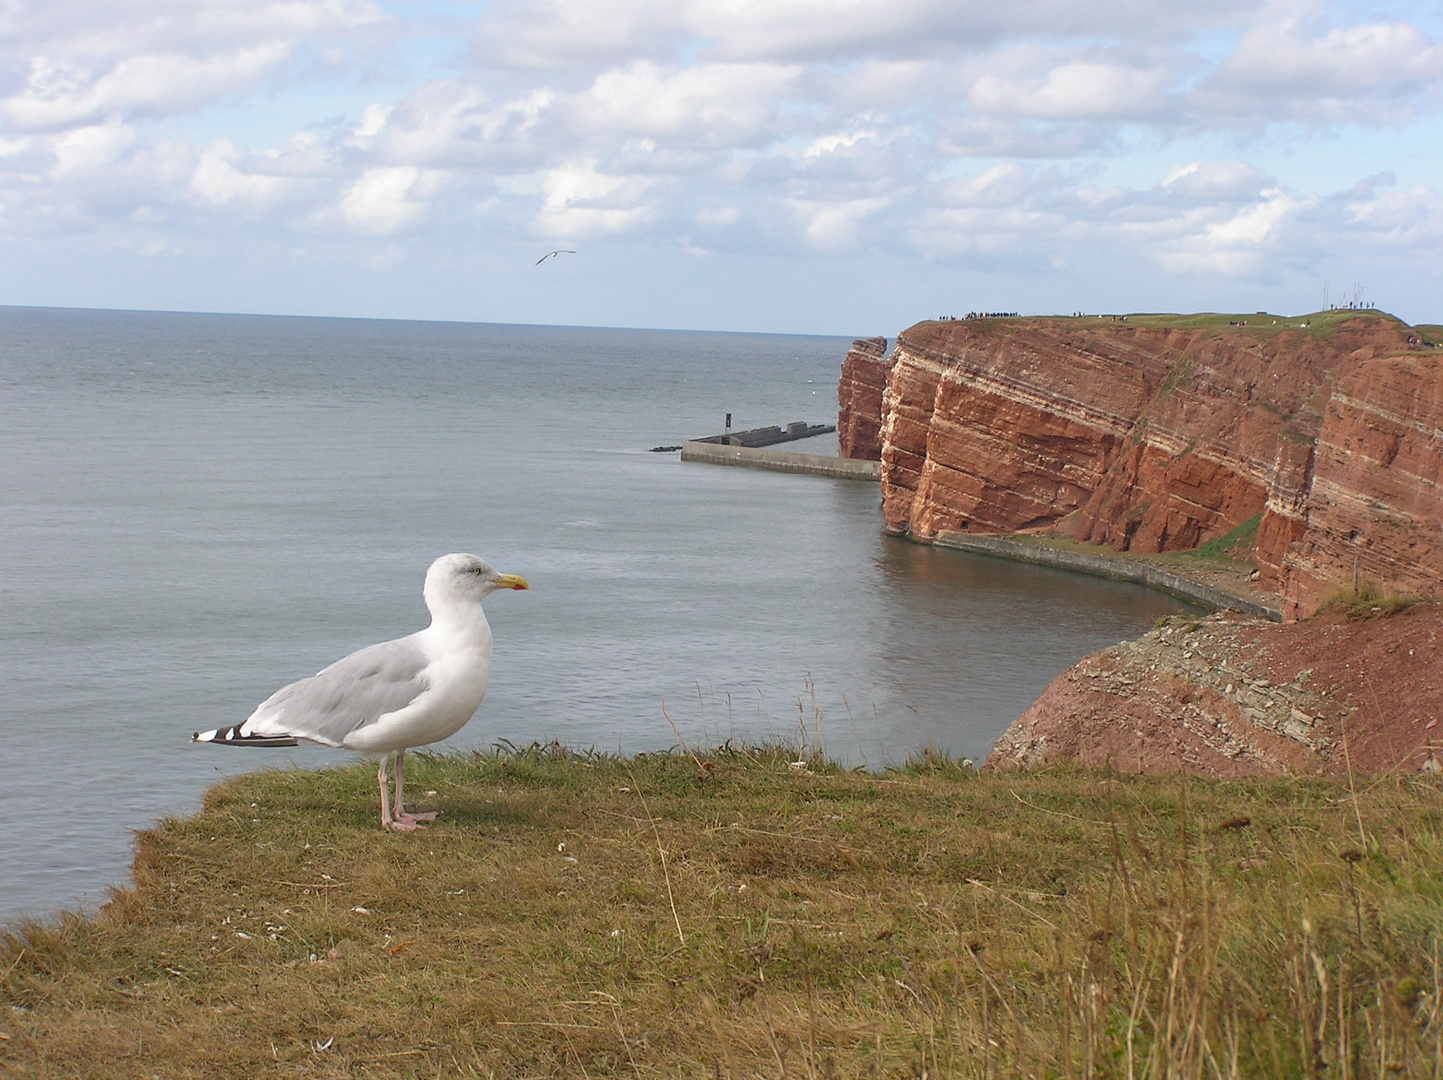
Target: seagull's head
column 461, row 579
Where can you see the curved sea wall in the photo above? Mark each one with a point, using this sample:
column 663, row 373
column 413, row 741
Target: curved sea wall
column 1162, row 433
column 1143, row 573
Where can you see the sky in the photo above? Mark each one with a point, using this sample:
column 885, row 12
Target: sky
column 814, row 166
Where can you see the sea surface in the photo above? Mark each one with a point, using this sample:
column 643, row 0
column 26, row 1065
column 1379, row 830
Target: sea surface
column 197, row 509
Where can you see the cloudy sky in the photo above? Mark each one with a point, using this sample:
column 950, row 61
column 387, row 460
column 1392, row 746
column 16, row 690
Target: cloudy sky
column 836, row 166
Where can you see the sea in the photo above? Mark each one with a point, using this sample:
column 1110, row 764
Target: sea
column 196, row 509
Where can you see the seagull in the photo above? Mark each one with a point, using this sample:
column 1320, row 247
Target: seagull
column 386, row 698
column 553, row 254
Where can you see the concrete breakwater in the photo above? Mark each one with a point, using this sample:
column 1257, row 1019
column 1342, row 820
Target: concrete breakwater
column 1102, row 566
column 781, row 461
column 768, row 436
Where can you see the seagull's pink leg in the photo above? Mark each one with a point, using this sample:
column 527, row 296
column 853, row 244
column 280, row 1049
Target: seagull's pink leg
column 401, row 814
column 387, row 822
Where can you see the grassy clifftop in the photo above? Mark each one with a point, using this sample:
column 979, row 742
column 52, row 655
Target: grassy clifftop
column 1258, row 323
column 740, row 915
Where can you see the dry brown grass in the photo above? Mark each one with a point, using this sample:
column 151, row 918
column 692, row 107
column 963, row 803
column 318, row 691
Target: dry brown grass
column 1369, row 600
column 576, row 915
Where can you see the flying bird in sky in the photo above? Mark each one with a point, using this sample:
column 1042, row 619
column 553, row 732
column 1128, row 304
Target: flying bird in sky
column 553, row 254
column 386, row 698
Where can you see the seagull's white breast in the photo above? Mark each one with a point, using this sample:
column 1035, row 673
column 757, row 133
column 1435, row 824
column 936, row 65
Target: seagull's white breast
column 457, row 675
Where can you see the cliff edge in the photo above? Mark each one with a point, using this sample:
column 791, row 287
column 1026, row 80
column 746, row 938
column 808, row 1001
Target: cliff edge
column 1234, row 696
column 1160, row 433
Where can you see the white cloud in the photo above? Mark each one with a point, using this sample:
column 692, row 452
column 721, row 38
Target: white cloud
column 1348, row 73
column 1020, row 136
column 716, row 217
column 1215, row 180
column 1346, row 60
column 832, row 227
column 55, row 96
column 707, row 105
column 67, row 62
column 373, row 120
column 1001, row 185
column 582, row 203
column 567, row 32
column 388, row 199
column 1393, row 220
column 451, row 123
column 87, row 149
column 828, row 144
column 1075, row 90
column 219, row 180
column 1236, row 244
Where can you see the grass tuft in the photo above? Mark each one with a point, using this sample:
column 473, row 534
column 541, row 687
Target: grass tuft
column 1368, row 600
column 583, row 914
column 1237, row 544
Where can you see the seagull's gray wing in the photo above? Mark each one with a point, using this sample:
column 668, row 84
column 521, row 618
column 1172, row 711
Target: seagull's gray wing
column 350, row 694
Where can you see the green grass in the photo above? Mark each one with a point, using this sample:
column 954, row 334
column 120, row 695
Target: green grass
column 742, row 915
column 1317, row 323
column 1236, row 545
column 1229, row 554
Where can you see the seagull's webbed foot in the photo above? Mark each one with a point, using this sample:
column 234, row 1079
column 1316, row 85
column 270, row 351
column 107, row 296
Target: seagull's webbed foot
column 400, row 825
column 401, row 814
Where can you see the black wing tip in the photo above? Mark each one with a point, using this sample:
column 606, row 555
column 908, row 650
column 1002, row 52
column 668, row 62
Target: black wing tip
column 231, row 736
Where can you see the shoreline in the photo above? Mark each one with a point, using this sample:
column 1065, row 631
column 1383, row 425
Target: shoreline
column 1175, row 579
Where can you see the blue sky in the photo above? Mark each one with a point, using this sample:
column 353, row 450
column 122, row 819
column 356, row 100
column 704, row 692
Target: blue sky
column 833, row 166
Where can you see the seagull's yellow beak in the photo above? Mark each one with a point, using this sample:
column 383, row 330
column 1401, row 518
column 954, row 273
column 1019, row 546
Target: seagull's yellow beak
column 511, row 581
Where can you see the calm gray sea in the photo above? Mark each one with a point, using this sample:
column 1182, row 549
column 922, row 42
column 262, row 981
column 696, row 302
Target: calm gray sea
column 196, row 509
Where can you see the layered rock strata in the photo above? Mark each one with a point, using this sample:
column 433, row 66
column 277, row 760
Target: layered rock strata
column 1158, row 438
column 1232, row 696
column 1372, row 510
column 859, row 399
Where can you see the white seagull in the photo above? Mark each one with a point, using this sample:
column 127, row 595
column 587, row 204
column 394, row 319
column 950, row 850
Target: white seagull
column 385, row 698
column 553, row 254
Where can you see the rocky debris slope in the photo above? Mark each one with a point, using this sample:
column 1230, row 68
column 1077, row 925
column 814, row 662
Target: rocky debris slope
column 1153, row 438
column 859, row 399
column 1234, row 696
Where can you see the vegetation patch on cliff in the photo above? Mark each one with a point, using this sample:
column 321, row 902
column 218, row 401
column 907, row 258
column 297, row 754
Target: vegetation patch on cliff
column 1236, row 544
column 742, row 913
column 1317, row 323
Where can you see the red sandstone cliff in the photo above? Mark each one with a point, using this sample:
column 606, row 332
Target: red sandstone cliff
column 1158, row 438
column 1233, row 696
column 859, row 399
column 1373, row 510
